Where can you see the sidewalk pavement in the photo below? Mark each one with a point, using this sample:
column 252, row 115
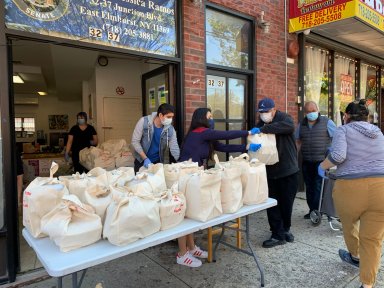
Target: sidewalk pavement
column 310, row 261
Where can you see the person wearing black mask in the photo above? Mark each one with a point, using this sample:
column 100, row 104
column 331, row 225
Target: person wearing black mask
column 80, row 136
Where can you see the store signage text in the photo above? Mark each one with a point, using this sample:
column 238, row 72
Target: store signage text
column 322, row 16
column 374, row 4
column 147, row 26
column 346, row 85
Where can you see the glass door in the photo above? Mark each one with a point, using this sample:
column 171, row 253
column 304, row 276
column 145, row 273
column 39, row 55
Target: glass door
column 157, row 88
column 226, row 97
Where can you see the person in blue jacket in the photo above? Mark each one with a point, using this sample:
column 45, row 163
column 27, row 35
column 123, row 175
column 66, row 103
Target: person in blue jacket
column 199, row 145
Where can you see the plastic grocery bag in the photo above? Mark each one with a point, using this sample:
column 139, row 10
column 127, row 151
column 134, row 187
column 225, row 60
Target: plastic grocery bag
column 257, row 188
column 202, row 191
column 154, row 175
column 231, row 187
column 174, row 171
column 40, row 197
column 172, row 207
column 268, row 153
column 72, row 224
column 129, row 217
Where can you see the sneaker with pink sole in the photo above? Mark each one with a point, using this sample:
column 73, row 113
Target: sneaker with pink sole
column 188, row 260
column 197, row 252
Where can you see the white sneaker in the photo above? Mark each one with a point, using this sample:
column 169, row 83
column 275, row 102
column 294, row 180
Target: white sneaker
column 188, row 260
column 197, row 252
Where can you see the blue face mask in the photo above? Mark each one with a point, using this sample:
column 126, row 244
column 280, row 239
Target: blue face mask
column 211, row 123
column 313, row 116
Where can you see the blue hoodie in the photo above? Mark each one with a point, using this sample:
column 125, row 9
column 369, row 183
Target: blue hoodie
column 358, row 151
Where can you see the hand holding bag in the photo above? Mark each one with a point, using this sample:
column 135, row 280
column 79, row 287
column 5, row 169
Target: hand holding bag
column 268, row 153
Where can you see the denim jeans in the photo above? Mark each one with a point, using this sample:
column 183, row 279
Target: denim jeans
column 312, row 184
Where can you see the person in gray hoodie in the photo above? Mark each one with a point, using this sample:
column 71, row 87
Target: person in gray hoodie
column 358, row 152
column 154, row 137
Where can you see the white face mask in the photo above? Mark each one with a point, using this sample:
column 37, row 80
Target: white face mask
column 266, row 117
column 166, row 121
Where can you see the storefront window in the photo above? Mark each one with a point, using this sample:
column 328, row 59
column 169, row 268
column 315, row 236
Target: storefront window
column 216, row 96
column 2, row 196
column 227, row 40
column 344, row 87
column 316, row 77
column 368, row 90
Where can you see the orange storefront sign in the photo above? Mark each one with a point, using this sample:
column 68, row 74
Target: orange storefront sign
column 306, row 14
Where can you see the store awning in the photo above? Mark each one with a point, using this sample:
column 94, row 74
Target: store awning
column 353, row 23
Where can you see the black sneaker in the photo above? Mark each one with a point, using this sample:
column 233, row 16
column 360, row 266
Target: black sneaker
column 307, row 216
column 272, row 242
column 347, row 257
column 289, row 237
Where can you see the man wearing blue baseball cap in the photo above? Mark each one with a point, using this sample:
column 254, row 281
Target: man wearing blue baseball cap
column 283, row 176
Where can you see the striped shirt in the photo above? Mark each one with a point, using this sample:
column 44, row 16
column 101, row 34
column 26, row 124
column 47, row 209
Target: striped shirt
column 358, row 151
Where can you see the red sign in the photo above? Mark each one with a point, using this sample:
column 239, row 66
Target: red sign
column 346, row 85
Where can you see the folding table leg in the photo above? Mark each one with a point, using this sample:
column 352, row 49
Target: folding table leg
column 252, row 252
column 60, row 282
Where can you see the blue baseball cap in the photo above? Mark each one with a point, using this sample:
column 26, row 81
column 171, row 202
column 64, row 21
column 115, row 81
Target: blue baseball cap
column 266, row 104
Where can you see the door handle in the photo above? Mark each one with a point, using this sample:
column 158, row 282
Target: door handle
column 107, row 127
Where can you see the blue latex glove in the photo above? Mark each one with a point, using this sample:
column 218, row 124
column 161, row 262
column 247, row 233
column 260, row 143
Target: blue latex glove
column 66, row 156
column 321, row 172
column 254, row 131
column 254, row 147
column 147, row 162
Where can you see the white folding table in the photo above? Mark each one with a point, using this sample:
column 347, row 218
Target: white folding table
column 59, row 264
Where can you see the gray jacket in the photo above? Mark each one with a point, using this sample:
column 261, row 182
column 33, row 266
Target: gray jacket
column 142, row 139
column 358, row 151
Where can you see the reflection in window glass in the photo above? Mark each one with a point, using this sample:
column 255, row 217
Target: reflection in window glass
column 221, row 126
column 368, row 90
column 316, row 77
column 227, row 40
column 236, row 98
column 216, row 96
column 344, row 86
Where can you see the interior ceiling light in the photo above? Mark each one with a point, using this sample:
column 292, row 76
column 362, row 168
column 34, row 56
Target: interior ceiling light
column 41, row 93
column 17, row 79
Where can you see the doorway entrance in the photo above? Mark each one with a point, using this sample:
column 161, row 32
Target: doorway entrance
column 52, row 83
column 226, row 97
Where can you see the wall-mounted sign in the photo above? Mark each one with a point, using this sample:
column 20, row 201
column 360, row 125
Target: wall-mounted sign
column 306, row 14
column 141, row 25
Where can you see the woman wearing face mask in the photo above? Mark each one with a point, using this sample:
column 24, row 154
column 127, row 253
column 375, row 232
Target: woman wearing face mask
column 282, row 176
column 199, row 145
column 154, row 137
column 80, row 136
column 358, row 152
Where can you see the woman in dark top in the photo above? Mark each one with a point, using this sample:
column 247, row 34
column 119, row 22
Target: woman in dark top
column 80, row 136
column 199, row 145
column 201, row 140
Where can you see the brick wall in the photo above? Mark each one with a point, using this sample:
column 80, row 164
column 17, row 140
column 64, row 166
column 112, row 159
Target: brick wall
column 270, row 55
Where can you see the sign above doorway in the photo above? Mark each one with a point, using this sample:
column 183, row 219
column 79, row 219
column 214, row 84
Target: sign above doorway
column 145, row 26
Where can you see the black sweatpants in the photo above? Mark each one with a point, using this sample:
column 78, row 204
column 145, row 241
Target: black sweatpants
column 284, row 191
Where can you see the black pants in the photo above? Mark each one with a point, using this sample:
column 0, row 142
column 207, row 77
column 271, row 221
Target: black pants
column 284, row 191
column 312, row 184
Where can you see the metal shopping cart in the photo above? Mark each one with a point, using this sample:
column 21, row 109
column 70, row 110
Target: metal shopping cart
column 326, row 206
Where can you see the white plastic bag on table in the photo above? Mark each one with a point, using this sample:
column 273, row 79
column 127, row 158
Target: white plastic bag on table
column 121, row 176
column 268, row 153
column 155, row 177
column 174, row 171
column 76, row 184
column 40, row 197
column 172, row 207
column 202, row 191
column 231, row 187
column 130, row 218
column 72, row 224
column 256, row 191
column 113, row 146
